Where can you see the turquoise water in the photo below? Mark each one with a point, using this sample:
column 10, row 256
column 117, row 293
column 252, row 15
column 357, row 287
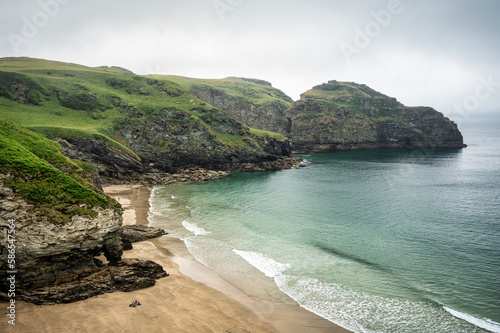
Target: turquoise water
column 375, row 241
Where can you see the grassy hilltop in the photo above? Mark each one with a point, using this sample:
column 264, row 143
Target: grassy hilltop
column 119, row 108
column 345, row 115
column 258, row 92
column 255, row 103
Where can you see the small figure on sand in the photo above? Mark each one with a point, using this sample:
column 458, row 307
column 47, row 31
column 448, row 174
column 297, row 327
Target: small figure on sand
column 135, row 303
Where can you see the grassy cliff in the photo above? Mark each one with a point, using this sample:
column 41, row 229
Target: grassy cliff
column 257, row 92
column 119, row 108
column 346, row 115
column 255, row 103
column 36, row 170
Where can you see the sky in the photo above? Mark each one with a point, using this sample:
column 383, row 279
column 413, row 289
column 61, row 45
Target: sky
column 439, row 53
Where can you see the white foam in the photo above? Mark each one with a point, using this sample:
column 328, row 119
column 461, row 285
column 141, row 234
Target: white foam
column 268, row 266
column 483, row 323
column 198, row 231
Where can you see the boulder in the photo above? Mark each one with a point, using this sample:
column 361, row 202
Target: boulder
column 139, row 233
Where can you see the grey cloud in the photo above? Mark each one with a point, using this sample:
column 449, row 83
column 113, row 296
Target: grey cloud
column 430, row 53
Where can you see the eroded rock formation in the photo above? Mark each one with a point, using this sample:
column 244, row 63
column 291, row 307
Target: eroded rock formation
column 346, row 116
column 57, row 262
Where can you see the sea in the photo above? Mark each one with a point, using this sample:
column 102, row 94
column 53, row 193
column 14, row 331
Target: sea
column 391, row 240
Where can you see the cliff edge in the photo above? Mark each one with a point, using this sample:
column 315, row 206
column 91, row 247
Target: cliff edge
column 126, row 124
column 344, row 116
column 53, row 225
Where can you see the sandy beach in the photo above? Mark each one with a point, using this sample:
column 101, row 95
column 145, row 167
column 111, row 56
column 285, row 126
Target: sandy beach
column 192, row 299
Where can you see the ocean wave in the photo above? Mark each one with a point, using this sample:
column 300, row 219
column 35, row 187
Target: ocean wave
column 198, row 231
column 359, row 311
column 271, row 268
column 157, row 205
column 362, row 312
column 483, row 323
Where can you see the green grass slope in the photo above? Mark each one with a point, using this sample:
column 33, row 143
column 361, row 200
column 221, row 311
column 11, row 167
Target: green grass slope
column 85, row 100
column 42, row 175
column 257, row 92
column 72, row 101
column 254, row 103
column 358, row 99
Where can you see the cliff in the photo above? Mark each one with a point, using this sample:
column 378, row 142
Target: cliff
column 344, row 116
column 126, row 124
column 254, row 103
column 330, row 117
column 60, row 224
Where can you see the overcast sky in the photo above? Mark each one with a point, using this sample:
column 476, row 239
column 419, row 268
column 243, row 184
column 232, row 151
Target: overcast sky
column 439, row 53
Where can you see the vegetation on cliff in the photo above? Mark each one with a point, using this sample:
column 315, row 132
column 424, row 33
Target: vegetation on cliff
column 257, row 92
column 145, row 117
column 255, row 103
column 36, row 170
column 345, row 115
column 169, row 123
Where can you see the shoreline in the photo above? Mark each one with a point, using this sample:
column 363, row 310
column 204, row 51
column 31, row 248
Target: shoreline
column 192, row 299
column 285, row 314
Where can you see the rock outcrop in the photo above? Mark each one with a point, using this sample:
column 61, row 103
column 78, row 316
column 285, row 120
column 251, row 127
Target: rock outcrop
column 138, row 233
column 346, row 116
column 53, row 225
column 126, row 275
column 110, row 162
column 254, row 103
column 56, row 263
column 268, row 117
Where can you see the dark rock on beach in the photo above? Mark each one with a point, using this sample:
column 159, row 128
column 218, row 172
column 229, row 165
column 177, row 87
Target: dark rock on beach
column 126, row 275
column 139, row 233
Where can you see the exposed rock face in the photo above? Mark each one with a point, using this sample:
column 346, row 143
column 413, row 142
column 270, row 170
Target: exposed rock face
column 346, row 116
column 269, row 117
column 172, row 145
column 56, row 262
column 45, row 251
column 126, row 275
column 109, row 161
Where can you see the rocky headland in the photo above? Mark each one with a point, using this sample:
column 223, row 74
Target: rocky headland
column 339, row 116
